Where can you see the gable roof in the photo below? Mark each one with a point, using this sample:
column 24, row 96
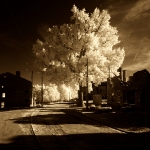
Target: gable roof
column 13, row 75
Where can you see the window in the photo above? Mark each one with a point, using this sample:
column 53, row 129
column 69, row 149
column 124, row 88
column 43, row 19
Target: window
column 3, row 95
column 2, row 104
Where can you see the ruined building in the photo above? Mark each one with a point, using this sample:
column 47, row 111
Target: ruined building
column 134, row 91
column 101, row 89
column 120, row 90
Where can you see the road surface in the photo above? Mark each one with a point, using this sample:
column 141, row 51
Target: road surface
column 59, row 127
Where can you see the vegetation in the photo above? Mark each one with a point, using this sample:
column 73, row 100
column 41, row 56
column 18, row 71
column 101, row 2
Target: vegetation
column 64, row 53
column 54, row 93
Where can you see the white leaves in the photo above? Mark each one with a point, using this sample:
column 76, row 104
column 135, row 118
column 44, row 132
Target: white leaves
column 52, row 92
column 43, row 50
column 44, row 69
column 39, row 42
column 66, row 48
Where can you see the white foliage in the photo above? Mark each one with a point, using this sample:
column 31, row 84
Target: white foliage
column 65, row 50
column 55, row 93
column 51, row 93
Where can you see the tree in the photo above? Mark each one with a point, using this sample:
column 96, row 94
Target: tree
column 66, row 49
column 53, row 93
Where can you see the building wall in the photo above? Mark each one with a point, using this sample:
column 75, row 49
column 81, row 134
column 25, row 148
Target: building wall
column 135, row 91
column 115, row 94
column 100, row 89
column 18, row 91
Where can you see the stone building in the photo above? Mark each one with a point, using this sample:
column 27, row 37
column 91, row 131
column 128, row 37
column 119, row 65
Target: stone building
column 138, row 89
column 101, row 89
column 97, row 90
column 135, row 91
column 15, row 91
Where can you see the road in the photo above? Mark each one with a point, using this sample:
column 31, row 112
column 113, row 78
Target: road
column 15, row 135
column 59, row 127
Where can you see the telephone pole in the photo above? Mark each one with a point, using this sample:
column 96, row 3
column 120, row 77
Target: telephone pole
column 87, row 86
column 42, row 90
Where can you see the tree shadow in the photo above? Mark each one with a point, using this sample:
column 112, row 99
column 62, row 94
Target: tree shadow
column 90, row 141
column 15, row 108
column 123, row 119
column 130, row 122
column 69, row 116
column 54, row 117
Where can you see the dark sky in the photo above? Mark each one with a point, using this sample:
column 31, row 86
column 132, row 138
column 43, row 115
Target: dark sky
column 22, row 22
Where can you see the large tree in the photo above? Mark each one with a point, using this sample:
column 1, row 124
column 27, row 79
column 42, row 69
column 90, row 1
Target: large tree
column 65, row 51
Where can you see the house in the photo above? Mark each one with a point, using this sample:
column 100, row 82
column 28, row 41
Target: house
column 15, row 90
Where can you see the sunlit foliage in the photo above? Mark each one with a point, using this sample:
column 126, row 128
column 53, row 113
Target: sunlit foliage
column 65, row 51
column 54, row 93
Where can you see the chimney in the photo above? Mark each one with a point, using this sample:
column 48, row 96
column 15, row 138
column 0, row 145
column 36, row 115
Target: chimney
column 18, row 73
column 120, row 71
column 125, row 75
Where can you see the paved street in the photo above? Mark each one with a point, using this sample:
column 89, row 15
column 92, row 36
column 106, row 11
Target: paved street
column 59, row 127
column 16, row 135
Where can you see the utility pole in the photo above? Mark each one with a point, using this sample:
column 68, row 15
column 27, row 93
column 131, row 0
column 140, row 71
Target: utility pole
column 42, row 89
column 69, row 94
column 32, row 77
column 87, row 87
column 42, row 74
column 32, row 102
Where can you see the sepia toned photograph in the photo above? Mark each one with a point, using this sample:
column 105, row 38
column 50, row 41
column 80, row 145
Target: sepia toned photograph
column 74, row 74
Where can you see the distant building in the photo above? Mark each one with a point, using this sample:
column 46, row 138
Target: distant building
column 139, row 84
column 15, row 91
column 101, row 89
column 120, row 91
column 134, row 91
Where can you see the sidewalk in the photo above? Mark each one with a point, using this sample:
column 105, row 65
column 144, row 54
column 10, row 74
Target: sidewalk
column 135, row 122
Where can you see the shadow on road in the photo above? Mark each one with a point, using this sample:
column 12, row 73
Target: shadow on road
column 129, row 122
column 76, row 141
column 88, row 140
column 54, row 117
column 14, row 108
column 70, row 116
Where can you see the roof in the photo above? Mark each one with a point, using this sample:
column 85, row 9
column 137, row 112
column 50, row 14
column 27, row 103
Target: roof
column 141, row 71
column 16, row 76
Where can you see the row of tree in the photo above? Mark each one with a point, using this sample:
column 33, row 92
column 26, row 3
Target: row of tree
column 88, row 40
column 54, row 93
